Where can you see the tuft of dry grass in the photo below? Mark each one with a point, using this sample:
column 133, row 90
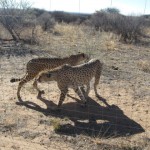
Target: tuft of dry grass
column 56, row 123
column 110, row 40
column 144, row 65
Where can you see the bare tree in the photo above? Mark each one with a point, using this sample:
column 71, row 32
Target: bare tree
column 14, row 16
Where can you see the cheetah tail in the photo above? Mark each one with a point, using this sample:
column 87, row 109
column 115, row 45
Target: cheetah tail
column 14, row 80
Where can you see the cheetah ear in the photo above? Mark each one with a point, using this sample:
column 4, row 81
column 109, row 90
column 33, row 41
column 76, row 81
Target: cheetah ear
column 48, row 75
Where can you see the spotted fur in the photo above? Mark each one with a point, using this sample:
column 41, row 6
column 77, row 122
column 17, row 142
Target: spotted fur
column 35, row 66
column 75, row 77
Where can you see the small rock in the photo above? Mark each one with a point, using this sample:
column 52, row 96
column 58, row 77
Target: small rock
column 114, row 68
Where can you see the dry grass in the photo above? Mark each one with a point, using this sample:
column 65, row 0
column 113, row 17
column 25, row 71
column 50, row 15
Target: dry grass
column 144, row 65
column 147, row 30
column 67, row 39
column 110, row 41
column 124, row 87
column 56, row 123
column 124, row 143
column 4, row 33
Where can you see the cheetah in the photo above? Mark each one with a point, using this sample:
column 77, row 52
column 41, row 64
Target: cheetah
column 75, row 77
column 35, row 66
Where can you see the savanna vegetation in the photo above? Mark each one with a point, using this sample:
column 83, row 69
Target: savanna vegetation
column 120, row 42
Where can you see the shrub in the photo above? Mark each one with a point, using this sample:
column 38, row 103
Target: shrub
column 61, row 16
column 46, row 21
column 128, row 27
column 111, row 10
column 38, row 12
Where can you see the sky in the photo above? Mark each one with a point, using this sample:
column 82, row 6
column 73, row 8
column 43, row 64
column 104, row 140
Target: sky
column 126, row 7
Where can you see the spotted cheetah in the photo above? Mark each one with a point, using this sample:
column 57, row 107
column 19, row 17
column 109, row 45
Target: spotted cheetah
column 75, row 77
column 35, row 66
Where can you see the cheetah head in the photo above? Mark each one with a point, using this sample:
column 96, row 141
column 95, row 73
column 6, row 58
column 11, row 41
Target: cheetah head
column 78, row 58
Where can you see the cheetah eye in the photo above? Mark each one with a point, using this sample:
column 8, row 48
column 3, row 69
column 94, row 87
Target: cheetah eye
column 48, row 75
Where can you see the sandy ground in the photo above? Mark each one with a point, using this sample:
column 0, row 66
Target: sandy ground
column 33, row 125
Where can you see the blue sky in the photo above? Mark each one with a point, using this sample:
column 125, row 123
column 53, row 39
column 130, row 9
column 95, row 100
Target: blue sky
column 126, row 7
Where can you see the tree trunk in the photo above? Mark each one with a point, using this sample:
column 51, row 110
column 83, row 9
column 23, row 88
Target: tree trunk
column 15, row 37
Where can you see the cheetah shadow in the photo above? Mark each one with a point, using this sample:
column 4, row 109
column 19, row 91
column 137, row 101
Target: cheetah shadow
column 96, row 120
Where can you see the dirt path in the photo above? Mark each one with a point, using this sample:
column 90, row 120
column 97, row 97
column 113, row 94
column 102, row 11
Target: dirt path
column 32, row 125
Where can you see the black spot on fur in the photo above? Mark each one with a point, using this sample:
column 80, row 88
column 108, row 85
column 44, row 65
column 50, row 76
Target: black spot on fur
column 48, row 75
column 12, row 80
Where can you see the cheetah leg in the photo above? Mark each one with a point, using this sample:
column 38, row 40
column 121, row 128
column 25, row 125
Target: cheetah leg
column 95, row 89
column 62, row 97
column 97, row 78
column 21, row 83
column 36, row 87
column 87, row 89
column 26, row 79
column 80, row 92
